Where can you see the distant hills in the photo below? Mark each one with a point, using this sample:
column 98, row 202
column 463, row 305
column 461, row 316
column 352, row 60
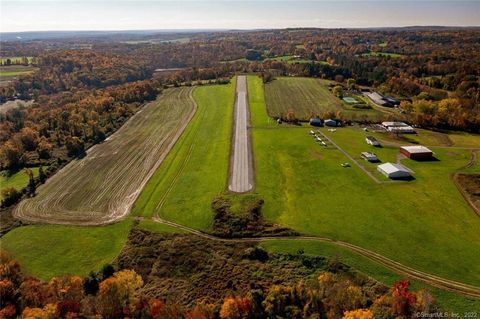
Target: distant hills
column 138, row 34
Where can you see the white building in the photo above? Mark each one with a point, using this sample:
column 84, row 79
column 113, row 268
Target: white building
column 398, row 127
column 371, row 157
column 372, row 141
column 394, row 171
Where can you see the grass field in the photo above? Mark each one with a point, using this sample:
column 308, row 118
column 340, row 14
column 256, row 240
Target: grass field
column 422, row 224
column 155, row 227
column 383, row 54
column 306, row 97
column 196, row 169
column 292, row 60
column 449, row 301
column 102, row 186
column 284, row 58
column 17, row 180
column 53, row 250
column 8, row 73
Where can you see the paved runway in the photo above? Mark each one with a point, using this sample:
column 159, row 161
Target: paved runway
column 241, row 174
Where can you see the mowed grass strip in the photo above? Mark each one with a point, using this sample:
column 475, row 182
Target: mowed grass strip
column 156, row 227
column 307, row 97
column 422, row 224
column 196, row 169
column 102, row 186
column 10, row 72
column 256, row 98
column 46, row 251
column 449, row 301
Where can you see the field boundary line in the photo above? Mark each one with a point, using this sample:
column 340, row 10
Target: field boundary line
column 432, row 280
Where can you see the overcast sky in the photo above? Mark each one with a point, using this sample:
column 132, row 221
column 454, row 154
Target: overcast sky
column 41, row 15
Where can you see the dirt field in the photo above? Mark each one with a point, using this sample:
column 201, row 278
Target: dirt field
column 101, row 187
column 469, row 185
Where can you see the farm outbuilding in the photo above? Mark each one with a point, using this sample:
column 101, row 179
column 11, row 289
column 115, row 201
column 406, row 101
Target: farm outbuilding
column 394, row 171
column 330, row 122
column 398, row 127
column 372, row 141
column 315, row 121
column 371, row 157
column 416, row 152
column 383, row 100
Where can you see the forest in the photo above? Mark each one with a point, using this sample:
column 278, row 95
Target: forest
column 113, row 293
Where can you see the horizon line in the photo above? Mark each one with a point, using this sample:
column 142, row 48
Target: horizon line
column 246, row 29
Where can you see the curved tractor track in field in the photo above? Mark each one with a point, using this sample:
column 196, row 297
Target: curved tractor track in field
column 102, row 187
column 435, row 281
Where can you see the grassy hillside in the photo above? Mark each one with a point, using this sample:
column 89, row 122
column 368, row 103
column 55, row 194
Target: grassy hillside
column 307, row 97
column 449, row 301
column 17, row 180
column 422, row 224
column 196, row 169
column 52, row 250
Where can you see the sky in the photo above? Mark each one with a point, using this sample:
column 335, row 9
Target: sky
column 49, row 15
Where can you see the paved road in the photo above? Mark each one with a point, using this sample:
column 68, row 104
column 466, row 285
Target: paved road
column 241, row 168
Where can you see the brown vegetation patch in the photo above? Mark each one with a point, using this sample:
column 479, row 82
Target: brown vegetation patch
column 442, row 138
column 317, row 155
column 469, row 185
column 7, row 221
column 186, row 268
column 238, row 216
column 452, row 154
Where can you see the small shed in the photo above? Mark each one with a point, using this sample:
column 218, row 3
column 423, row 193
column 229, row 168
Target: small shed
column 394, row 171
column 398, row 127
column 416, row 152
column 315, row 121
column 372, row 141
column 330, row 122
column 371, row 157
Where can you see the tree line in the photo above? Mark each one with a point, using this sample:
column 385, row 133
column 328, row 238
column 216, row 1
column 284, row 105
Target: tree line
column 112, row 293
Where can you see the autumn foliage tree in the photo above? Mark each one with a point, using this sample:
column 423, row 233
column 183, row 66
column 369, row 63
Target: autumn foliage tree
column 121, row 296
column 236, row 308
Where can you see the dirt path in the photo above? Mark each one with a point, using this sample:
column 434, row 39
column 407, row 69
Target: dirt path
column 241, row 162
column 435, row 281
column 473, row 159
